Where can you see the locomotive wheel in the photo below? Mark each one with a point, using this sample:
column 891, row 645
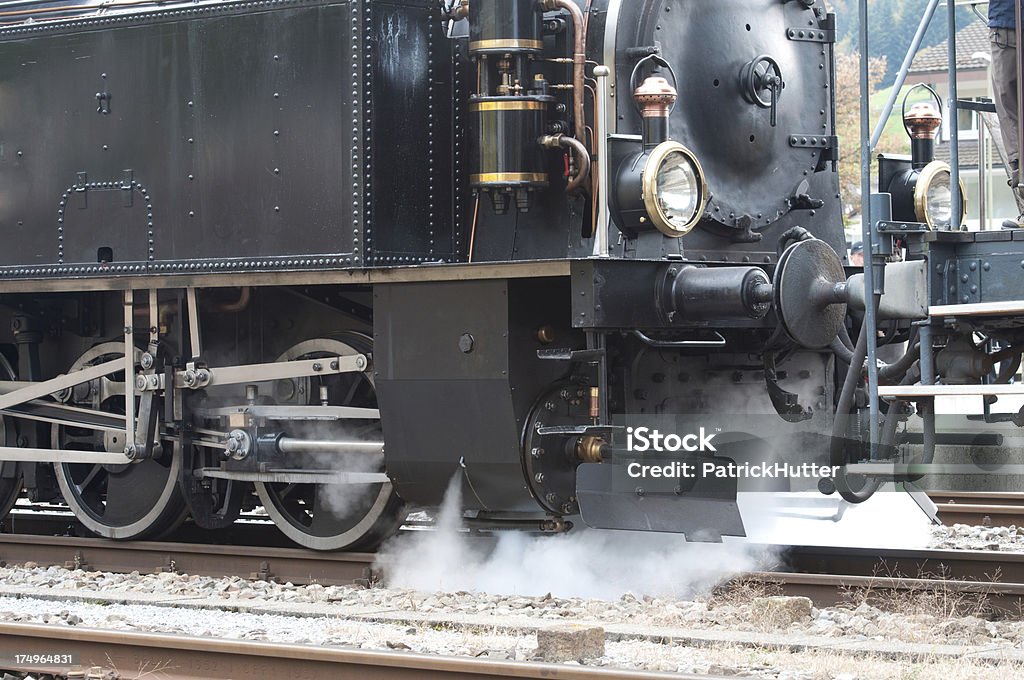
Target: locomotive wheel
column 216, row 504
column 130, row 501
column 332, row 516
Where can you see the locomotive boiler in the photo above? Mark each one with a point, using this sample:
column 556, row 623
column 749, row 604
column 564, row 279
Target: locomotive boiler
column 321, row 256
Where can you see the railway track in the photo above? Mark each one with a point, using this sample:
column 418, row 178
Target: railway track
column 980, row 507
column 55, row 521
column 829, row 575
column 295, row 565
column 134, row 655
column 825, row 574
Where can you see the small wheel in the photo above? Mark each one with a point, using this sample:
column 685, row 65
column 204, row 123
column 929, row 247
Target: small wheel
column 213, row 503
column 129, row 501
column 332, row 516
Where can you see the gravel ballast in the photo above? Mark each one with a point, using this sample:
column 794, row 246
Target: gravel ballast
column 973, row 537
column 729, row 633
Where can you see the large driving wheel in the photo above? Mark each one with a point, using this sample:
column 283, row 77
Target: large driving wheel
column 332, row 516
column 129, row 501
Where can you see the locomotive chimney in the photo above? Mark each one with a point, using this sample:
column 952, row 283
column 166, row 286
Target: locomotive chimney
column 655, row 98
column 922, row 121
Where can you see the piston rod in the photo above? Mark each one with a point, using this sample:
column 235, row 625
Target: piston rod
column 339, row 447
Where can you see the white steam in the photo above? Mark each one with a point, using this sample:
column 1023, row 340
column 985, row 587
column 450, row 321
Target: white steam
column 585, row 563
column 889, row 519
column 341, row 499
column 598, row 564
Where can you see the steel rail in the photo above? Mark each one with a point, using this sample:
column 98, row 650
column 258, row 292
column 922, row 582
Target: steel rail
column 826, row 590
column 830, row 576
column 987, row 515
column 172, row 656
column 1008, row 498
column 257, row 562
column 297, row 565
column 980, row 507
column 988, row 566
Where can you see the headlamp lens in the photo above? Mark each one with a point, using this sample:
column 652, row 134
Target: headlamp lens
column 678, row 190
column 938, row 201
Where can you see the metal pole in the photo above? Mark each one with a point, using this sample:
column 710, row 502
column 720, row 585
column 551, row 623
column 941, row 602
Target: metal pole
column 922, row 28
column 927, row 361
column 927, row 378
column 129, row 372
column 954, row 129
column 982, row 174
column 603, row 172
column 868, row 231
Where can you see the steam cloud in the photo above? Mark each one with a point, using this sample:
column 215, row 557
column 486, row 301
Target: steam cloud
column 607, row 564
column 585, row 563
column 890, row 519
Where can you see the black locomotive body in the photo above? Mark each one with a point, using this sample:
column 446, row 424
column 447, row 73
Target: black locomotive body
column 362, row 246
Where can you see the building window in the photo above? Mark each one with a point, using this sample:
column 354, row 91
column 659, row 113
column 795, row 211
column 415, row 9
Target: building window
column 967, row 122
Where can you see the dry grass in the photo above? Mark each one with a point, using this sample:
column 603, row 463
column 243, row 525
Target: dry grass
column 741, row 591
column 933, row 594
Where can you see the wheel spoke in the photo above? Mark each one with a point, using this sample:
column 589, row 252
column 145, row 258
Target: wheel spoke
column 351, row 392
column 322, row 515
column 286, row 491
column 89, row 478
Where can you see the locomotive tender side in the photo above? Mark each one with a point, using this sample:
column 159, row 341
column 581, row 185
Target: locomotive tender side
column 359, row 249
column 227, row 137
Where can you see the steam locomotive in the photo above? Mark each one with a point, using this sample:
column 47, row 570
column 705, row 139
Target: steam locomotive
column 321, row 256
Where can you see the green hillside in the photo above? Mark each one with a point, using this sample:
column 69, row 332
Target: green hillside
column 892, row 24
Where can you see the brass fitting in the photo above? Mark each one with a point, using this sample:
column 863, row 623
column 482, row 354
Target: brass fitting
column 590, row 449
column 922, row 120
column 460, row 11
column 655, row 97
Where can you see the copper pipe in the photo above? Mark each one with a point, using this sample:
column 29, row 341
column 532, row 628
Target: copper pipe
column 579, row 59
column 239, row 305
column 579, row 150
column 583, row 158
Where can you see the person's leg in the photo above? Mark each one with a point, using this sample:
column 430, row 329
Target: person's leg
column 1004, row 90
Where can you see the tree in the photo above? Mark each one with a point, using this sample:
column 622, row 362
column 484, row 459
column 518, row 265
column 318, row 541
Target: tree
column 891, row 25
column 848, row 99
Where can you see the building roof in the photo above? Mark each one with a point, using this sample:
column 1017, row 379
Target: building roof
column 969, row 41
column 968, row 155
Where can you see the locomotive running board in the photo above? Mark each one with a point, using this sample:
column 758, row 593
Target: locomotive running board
column 705, row 513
